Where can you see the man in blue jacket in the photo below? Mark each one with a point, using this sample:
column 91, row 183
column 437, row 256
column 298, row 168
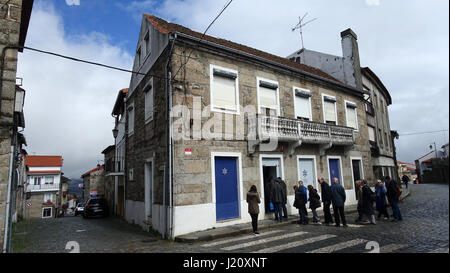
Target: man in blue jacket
column 338, row 199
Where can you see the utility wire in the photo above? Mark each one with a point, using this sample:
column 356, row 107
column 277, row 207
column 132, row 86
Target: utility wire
column 419, row 133
column 89, row 62
column 203, row 35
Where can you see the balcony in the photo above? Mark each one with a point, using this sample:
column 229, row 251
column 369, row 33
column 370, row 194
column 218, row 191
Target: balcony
column 43, row 187
column 297, row 132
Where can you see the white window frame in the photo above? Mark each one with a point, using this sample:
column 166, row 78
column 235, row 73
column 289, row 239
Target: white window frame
column 374, row 133
column 51, row 197
column 313, row 157
column 277, row 93
column 131, row 132
column 341, row 179
column 356, row 114
column 240, row 186
column 261, row 186
column 148, row 113
column 335, row 108
column 309, row 98
column 51, row 212
column 211, row 90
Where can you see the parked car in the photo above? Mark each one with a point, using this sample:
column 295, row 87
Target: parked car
column 79, row 209
column 96, row 207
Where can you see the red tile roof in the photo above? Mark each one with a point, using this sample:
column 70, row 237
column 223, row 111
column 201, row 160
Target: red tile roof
column 166, row 27
column 32, row 172
column 43, row 161
column 93, row 170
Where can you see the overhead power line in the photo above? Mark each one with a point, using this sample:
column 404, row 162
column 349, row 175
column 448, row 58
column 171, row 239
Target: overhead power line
column 420, row 133
column 90, row 62
column 203, row 35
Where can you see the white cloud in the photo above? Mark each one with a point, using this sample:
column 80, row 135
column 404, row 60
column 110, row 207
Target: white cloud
column 68, row 104
column 373, row 2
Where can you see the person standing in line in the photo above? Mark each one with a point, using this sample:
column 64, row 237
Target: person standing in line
column 358, row 188
column 277, row 199
column 405, row 180
column 253, row 201
column 300, row 203
column 326, row 200
column 381, row 203
column 367, row 203
column 393, row 197
column 314, row 203
column 283, row 204
column 338, row 200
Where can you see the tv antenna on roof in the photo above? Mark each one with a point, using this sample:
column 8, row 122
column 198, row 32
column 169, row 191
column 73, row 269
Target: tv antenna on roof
column 300, row 26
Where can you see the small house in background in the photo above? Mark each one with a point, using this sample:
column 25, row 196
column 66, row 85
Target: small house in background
column 110, row 186
column 408, row 169
column 93, row 183
column 43, row 185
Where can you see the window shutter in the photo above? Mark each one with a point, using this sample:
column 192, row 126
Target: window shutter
column 302, row 108
column 330, row 113
column 351, row 117
column 224, row 93
column 268, row 97
column 371, row 133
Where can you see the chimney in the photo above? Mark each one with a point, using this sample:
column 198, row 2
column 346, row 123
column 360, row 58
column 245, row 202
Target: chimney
column 350, row 53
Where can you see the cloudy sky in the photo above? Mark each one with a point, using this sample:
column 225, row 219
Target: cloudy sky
column 68, row 105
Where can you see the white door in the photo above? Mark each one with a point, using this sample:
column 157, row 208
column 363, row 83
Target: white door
column 307, row 171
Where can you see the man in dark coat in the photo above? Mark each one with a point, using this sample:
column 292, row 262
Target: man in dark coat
column 277, row 199
column 283, row 204
column 367, row 203
column 338, row 200
column 314, row 203
column 393, row 197
column 405, row 180
column 326, row 200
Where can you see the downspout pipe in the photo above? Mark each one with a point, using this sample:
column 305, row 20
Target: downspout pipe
column 169, row 146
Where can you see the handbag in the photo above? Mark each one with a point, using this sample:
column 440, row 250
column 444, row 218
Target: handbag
column 271, row 207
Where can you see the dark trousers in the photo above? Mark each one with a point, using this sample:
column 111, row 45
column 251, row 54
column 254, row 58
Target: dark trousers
column 396, row 210
column 277, row 207
column 254, row 221
column 339, row 215
column 284, row 210
column 360, row 213
column 327, row 213
column 303, row 214
column 383, row 211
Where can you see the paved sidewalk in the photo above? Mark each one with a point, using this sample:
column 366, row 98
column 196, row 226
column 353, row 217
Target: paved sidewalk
column 245, row 228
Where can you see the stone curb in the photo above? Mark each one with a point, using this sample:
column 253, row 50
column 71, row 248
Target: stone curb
column 247, row 230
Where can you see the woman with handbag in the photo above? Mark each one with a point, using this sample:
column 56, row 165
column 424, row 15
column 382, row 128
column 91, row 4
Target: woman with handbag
column 253, row 201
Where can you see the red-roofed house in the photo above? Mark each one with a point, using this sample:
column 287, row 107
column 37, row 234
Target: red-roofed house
column 43, row 185
column 93, row 182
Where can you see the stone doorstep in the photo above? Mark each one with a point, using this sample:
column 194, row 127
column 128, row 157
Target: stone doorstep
column 245, row 228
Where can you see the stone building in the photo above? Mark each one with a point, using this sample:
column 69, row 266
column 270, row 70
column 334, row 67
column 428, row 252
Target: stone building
column 93, row 182
column 348, row 70
column 14, row 20
column 43, row 185
column 199, row 133
column 110, row 189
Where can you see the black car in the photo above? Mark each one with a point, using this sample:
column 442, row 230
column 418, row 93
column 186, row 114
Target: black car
column 96, row 207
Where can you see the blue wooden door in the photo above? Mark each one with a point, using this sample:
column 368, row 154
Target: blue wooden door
column 334, row 170
column 226, row 176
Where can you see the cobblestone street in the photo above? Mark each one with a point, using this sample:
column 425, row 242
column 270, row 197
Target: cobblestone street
column 425, row 228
